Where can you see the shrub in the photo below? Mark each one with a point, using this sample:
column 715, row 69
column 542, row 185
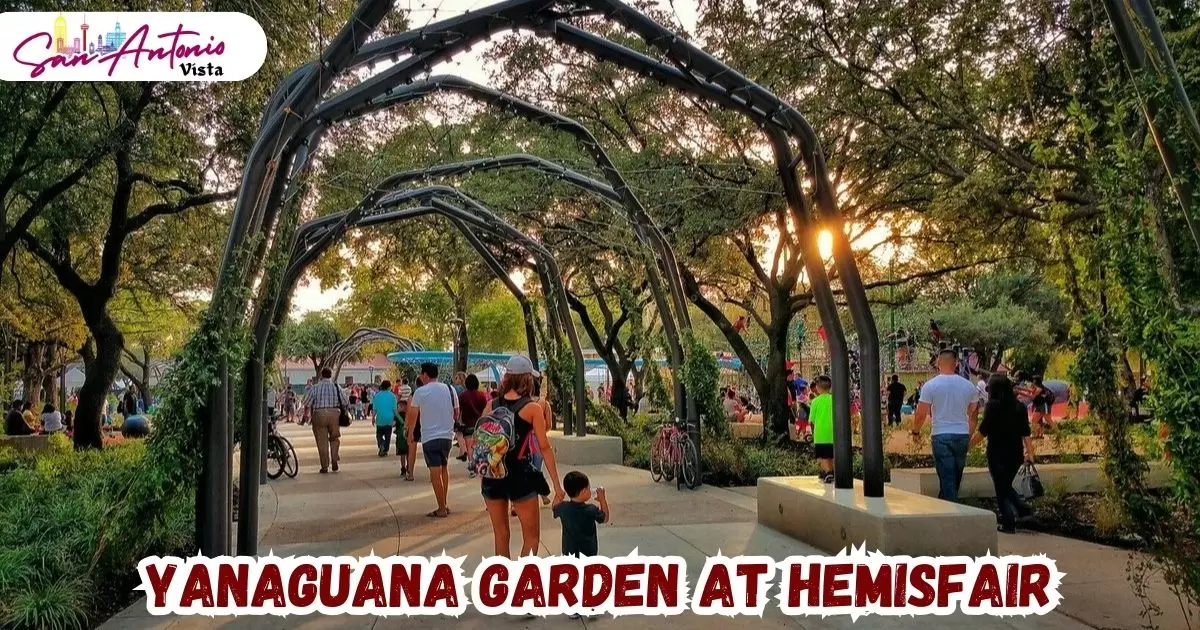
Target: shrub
column 61, row 563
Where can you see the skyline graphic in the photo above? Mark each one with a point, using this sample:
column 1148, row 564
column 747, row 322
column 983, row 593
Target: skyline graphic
column 65, row 44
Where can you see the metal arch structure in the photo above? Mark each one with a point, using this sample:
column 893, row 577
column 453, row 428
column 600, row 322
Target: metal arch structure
column 673, row 312
column 278, row 161
column 431, row 201
column 345, row 349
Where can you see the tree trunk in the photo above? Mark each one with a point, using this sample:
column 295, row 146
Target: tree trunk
column 144, row 386
column 31, row 381
column 461, row 345
column 775, row 400
column 99, row 377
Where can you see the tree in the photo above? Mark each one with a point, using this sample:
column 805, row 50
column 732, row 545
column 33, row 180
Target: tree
column 154, row 330
column 312, row 338
column 495, row 324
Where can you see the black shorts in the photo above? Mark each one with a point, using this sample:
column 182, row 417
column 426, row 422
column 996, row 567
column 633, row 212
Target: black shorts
column 516, row 487
column 437, row 452
column 1041, row 407
column 823, row 451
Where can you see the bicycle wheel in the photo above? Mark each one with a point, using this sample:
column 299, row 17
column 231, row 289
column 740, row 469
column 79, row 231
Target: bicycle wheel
column 291, row 464
column 670, row 460
column 656, row 461
column 691, row 465
column 275, row 456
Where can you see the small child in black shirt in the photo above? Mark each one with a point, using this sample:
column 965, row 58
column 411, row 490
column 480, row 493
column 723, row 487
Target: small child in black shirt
column 579, row 518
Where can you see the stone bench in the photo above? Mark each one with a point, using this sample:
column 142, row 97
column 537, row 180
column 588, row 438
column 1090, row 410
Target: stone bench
column 589, row 450
column 899, row 523
column 746, row 430
column 977, row 483
column 26, row 443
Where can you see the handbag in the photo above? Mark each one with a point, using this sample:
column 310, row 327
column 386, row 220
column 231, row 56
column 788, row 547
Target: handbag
column 1027, row 483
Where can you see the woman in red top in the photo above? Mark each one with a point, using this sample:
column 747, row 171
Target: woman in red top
column 471, row 403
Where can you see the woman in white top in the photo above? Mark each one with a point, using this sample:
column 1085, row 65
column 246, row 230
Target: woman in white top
column 51, row 419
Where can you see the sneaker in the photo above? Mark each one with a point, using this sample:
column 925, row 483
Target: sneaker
column 827, row 478
column 324, row 471
column 383, row 452
column 335, row 468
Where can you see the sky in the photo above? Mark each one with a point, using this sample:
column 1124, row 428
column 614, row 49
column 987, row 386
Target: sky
column 309, row 295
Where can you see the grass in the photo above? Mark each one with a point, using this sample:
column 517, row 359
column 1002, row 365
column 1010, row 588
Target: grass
column 64, row 561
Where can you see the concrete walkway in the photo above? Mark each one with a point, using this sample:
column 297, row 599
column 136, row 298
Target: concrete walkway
column 367, row 507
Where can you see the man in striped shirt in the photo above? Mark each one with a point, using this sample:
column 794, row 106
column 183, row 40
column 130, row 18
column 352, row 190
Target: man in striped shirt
column 325, row 400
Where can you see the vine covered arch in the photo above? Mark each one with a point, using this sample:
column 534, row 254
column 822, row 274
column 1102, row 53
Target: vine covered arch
column 291, row 131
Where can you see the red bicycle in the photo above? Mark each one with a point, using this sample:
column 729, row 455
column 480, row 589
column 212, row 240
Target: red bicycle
column 674, row 456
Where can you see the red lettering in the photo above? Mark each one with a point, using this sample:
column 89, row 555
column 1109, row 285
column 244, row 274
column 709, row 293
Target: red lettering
column 919, row 578
column 159, row 583
column 947, row 584
column 1011, row 584
column 873, row 589
column 370, row 587
column 835, row 581
column 752, row 572
column 563, row 580
column 329, row 597
column 442, row 588
column 406, row 581
column 987, row 587
column 270, row 588
column 301, row 595
column 529, row 588
column 493, row 596
column 662, row 584
column 797, row 585
column 232, row 580
column 198, row 588
column 626, row 582
column 597, row 585
column 900, row 585
column 1034, row 580
column 717, row 587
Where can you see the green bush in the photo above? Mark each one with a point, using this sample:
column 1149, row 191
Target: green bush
column 61, row 563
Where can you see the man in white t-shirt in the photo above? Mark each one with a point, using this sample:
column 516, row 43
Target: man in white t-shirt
column 435, row 406
column 953, row 402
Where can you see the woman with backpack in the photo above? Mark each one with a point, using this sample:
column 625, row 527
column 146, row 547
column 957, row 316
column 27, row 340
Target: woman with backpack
column 510, row 439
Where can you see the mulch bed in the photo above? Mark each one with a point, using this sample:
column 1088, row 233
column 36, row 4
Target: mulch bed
column 1070, row 516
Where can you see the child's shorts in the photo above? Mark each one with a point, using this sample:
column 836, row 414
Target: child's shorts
column 823, row 451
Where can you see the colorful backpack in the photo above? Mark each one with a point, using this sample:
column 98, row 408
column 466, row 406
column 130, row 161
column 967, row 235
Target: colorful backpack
column 495, row 436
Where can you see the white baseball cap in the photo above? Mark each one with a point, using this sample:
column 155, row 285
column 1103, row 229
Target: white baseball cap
column 519, row 364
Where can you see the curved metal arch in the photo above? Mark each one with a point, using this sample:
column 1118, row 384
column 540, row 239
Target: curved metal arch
column 675, row 312
column 705, row 76
column 477, row 215
column 346, row 348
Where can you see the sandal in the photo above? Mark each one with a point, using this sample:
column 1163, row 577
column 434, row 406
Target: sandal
column 438, row 513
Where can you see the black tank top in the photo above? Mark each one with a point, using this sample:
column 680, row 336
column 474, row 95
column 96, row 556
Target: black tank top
column 521, row 429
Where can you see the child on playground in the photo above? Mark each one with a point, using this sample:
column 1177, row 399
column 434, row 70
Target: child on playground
column 820, row 415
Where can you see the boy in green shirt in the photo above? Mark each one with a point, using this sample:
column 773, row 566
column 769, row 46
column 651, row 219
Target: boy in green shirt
column 821, row 416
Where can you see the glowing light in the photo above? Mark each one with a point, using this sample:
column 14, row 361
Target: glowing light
column 825, row 243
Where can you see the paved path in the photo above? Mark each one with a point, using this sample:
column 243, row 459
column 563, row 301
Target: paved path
column 367, row 507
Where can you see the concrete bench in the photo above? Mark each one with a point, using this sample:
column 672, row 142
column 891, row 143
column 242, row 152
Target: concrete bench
column 977, row 483
column 746, row 430
column 899, row 523
column 589, row 450
column 26, row 443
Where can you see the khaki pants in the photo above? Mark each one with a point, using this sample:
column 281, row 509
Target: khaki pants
column 327, row 433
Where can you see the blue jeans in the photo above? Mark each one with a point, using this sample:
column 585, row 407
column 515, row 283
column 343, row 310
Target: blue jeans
column 949, row 459
column 383, row 437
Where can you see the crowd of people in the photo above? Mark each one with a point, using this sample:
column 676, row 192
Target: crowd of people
column 514, row 463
